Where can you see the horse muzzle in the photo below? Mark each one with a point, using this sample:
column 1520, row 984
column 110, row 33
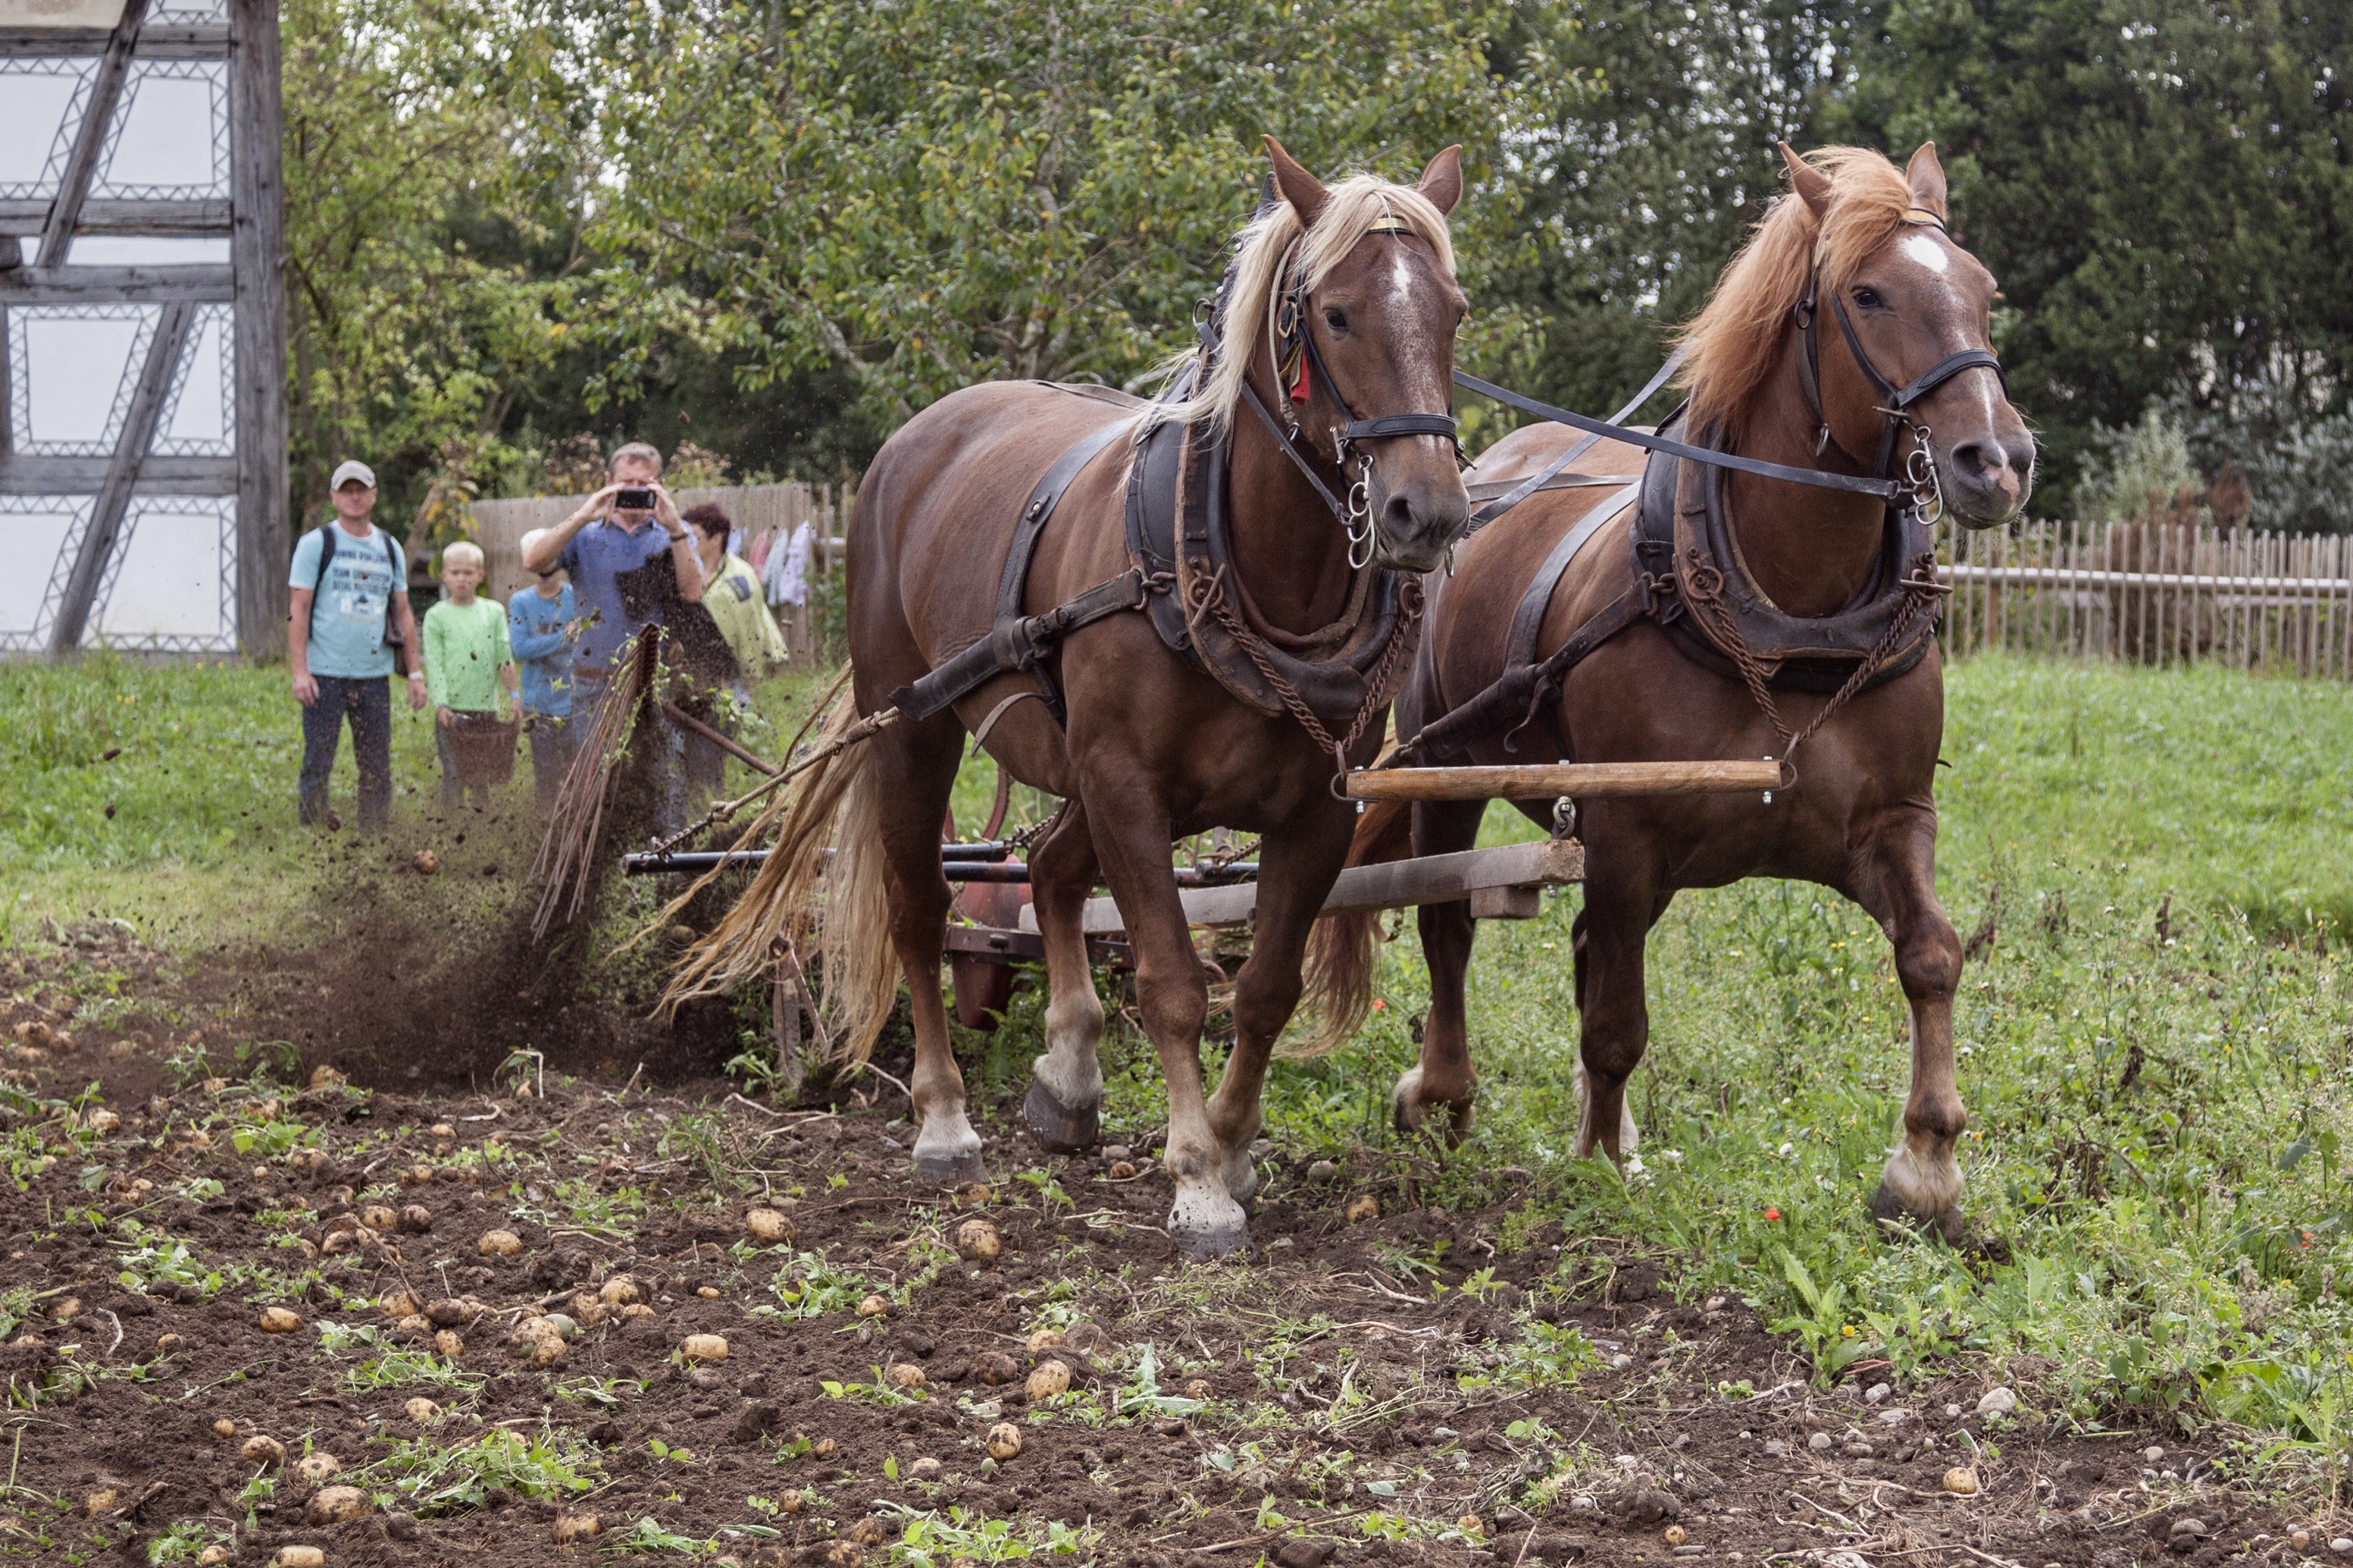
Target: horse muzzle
column 1415, row 525
column 1987, row 477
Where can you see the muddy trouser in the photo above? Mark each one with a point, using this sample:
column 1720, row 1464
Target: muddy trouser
column 555, row 742
column 453, row 785
column 367, row 701
column 669, row 757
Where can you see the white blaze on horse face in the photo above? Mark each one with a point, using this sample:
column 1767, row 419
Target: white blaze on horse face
column 1924, row 249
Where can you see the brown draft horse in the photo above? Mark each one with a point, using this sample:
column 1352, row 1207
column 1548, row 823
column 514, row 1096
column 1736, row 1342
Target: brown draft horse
column 1153, row 749
column 1861, row 817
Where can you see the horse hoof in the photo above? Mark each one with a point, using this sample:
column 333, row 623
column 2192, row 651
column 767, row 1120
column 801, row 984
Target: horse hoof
column 1893, row 1217
column 1412, row 1113
column 1202, row 1245
column 948, row 1167
column 1064, row 1128
column 1207, row 1224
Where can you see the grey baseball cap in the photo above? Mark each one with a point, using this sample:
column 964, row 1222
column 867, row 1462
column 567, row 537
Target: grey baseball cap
column 353, row 469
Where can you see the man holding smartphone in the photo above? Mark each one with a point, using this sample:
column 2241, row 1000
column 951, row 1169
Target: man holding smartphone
column 623, row 527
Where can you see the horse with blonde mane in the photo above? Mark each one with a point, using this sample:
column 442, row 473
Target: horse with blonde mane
column 1006, row 531
column 1729, row 616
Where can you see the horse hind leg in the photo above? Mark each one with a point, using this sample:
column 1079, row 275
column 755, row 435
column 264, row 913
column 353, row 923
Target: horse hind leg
column 906, row 797
column 1439, row 1091
column 1063, row 1110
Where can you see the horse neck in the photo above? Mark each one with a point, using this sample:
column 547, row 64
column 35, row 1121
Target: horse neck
column 1811, row 551
column 1290, row 551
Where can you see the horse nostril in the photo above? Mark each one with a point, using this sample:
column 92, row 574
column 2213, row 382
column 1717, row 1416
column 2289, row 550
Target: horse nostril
column 1974, row 462
column 1396, row 516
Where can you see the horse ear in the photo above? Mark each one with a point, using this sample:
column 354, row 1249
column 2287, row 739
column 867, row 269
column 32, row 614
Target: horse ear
column 1813, row 186
column 1303, row 190
column 1442, row 182
column 1925, row 176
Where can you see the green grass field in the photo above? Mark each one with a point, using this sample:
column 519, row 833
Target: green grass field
column 2155, row 1048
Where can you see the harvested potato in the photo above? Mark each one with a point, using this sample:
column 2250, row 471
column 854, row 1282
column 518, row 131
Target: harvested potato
column 261, row 1449
column 768, row 1226
column 708, row 1292
column 213, row 1556
column 1362, row 1207
column 99, row 1501
column 636, row 1309
column 1961, row 1480
column 332, row 1505
column 924, row 1469
column 825, row 1449
column 65, row 1307
column 995, row 1367
column 168, row 1343
column 498, row 1243
column 401, row 1304
column 415, row 1219
column 1199, row 1388
column 103, row 1120
column 548, row 1351
column 572, row 1527
column 906, row 1374
column 1674, row 1535
column 416, row 1322
column 972, row 1195
column 977, row 1237
column 316, row 1468
column 376, row 1216
column 792, row 1502
column 447, row 1342
column 1004, row 1441
column 1121, row 1171
column 449, row 1312
column 280, row 1320
column 324, row 1077
column 620, row 1290
column 1044, row 1340
column 223, row 1427
column 869, row 1531
column 704, row 1347
column 309, row 1556
column 417, row 1176
column 1051, row 1378
column 421, row 1410
column 1471, row 1525
column 427, row 862
column 873, row 1307
column 589, row 1310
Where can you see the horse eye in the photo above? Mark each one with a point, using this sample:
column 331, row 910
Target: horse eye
column 1336, row 319
column 1868, row 299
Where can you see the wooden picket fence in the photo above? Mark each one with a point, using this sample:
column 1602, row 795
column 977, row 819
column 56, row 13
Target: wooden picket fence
column 2153, row 593
column 500, row 525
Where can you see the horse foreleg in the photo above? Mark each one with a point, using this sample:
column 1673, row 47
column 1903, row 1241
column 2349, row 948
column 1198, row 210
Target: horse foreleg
column 1131, row 837
column 1622, row 902
column 1063, row 1111
column 1443, row 1080
column 917, row 771
column 1921, row 1181
column 1296, row 868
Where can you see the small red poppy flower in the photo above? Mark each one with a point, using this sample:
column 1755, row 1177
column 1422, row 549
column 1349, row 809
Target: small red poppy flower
column 1772, row 1214
column 1379, row 1005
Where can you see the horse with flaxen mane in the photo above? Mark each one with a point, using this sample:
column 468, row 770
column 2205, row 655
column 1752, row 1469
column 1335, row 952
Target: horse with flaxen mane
column 1619, row 612
column 1165, row 614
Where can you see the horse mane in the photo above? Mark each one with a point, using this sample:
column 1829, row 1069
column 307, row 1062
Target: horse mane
column 1730, row 346
column 1354, row 208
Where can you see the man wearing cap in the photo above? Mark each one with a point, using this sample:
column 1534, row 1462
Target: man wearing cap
column 603, row 539
column 349, row 624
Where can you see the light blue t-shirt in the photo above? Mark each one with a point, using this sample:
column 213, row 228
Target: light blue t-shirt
column 347, row 620
column 596, row 558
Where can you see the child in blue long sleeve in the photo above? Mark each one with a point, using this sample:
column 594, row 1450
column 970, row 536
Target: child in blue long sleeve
column 541, row 630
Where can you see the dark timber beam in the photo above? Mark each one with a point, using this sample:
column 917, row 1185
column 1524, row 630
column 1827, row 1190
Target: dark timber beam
column 106, row 513
column 110, row 285
column 24, row 476
column 190, row 42
column 196, row 217
column 258, row 255
column 89, row 139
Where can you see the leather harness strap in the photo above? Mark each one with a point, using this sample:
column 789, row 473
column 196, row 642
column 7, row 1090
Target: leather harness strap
column 1527, row 622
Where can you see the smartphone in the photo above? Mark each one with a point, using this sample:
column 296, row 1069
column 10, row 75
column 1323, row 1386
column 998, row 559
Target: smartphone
column 634, row 501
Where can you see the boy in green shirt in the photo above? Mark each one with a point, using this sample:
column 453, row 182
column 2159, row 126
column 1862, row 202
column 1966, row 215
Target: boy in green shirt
column 469, row 669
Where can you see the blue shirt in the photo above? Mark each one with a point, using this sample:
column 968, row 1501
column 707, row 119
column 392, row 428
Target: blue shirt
column 539, row 633
column 593, row 558
column 347, row 618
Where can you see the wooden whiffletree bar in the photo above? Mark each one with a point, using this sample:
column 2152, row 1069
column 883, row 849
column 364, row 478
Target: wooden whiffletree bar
column 1578, row 780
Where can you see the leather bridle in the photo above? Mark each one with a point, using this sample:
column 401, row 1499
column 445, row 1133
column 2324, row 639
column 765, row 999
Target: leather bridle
column 1894, row 402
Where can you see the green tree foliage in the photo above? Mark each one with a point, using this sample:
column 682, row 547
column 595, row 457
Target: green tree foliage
column 931, row 193
column 433, row 175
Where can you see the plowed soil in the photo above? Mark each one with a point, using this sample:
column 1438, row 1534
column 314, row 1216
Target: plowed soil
column 1322, row 1402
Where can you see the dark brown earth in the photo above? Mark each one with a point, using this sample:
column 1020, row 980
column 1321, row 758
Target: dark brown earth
column 1556, row 1402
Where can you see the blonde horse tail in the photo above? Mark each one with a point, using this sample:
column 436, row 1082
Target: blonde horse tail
column 823, row 876
column 1341, row 949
